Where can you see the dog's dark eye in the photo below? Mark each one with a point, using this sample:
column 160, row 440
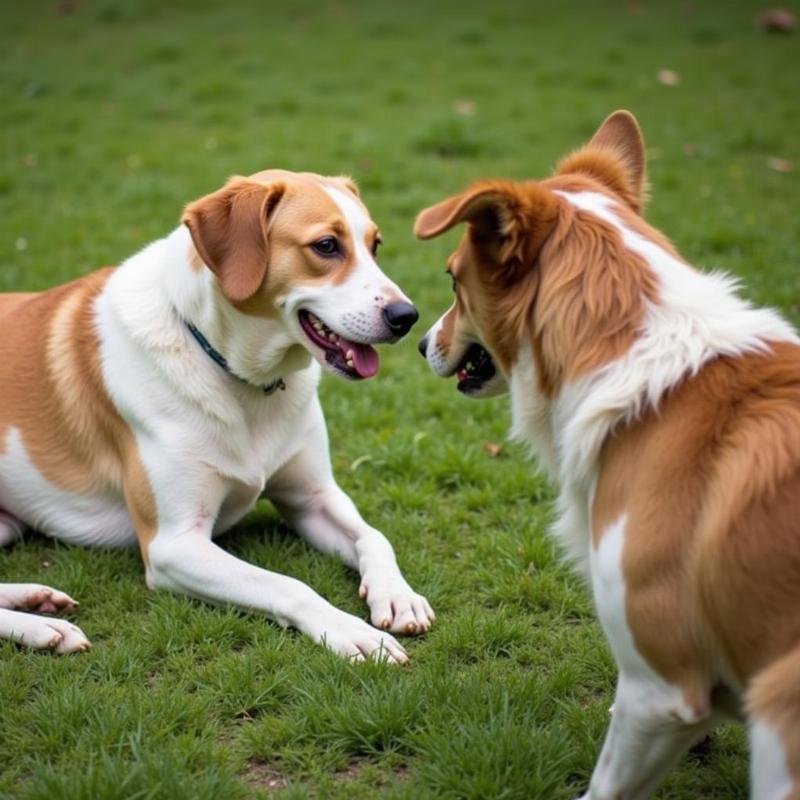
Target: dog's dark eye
column 452, row 278
column 375, row 245
column 328, row 246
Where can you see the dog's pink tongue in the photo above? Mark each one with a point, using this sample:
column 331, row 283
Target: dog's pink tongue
column 365, row 359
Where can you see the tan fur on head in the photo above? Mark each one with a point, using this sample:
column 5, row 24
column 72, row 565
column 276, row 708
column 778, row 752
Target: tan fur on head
column 508, row 225
column 229, row 230
column 615, row 156
column 535, row 268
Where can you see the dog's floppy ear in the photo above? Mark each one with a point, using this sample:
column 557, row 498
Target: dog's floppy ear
column 615, row 156
column 513, row 219
column 229, row 231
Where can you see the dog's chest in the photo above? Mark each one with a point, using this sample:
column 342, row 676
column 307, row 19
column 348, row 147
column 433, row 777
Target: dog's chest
column 246, row 456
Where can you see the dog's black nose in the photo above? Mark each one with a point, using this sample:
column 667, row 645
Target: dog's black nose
column 400, row 316
column 423, row 347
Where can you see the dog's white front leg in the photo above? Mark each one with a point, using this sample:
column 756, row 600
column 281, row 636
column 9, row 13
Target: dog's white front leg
column 306, row 493
column 183, row 558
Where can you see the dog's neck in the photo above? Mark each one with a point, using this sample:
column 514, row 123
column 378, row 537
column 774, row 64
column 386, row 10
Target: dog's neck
column 258, row 349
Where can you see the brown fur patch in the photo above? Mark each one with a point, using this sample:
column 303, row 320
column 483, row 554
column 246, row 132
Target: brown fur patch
column 589, row 305
column 497, row 257
column 229, row 231
column 710, row 484
column 55, row 396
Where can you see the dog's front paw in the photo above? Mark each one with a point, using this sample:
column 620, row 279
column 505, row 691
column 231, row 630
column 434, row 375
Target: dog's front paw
column 35, row 597
column 394, row 605
column 353, row 638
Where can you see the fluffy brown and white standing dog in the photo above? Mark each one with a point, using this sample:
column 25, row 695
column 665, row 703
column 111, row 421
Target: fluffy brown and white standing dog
column 156, row 402
column 668, row 410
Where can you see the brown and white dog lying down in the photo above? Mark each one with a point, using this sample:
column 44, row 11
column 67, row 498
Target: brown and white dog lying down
column 157, row 402
column 668, row 410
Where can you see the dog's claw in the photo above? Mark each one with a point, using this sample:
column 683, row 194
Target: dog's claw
column 395, row 606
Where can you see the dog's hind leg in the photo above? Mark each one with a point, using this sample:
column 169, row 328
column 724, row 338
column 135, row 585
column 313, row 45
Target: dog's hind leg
column 645, row 739
column 774, row 710
column 41, row 633
column 11, row 528
column 35, row 597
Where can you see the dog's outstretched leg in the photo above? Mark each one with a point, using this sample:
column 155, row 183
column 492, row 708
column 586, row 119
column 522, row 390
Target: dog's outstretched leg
column 645, row 739
column 181, row 557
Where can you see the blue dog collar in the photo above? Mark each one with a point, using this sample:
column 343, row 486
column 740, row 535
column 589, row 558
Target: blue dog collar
column 220, row 359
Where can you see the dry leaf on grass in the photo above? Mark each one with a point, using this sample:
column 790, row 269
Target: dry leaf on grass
column 780, row 164
column 668, row 77
column 465, row 108
column 777, row 20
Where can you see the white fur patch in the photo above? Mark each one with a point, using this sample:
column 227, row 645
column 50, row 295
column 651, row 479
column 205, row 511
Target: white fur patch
column 354, row 308
column 770, row 778
column 98, row 519
column 357, row 221
column 434, row 355
column 170, row 392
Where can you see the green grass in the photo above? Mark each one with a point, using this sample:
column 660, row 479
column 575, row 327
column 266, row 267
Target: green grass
column 116, row 115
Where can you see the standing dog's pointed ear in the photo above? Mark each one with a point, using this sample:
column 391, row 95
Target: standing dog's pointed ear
column 615, row 156
column 229, row 231
column 513, row 219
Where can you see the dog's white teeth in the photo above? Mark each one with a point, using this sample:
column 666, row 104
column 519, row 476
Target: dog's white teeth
column 333, row 337
column 317, row 325
column 350, row 363
column 349, row 355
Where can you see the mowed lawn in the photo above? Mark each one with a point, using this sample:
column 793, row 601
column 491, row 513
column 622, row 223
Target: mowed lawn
column 114, row 114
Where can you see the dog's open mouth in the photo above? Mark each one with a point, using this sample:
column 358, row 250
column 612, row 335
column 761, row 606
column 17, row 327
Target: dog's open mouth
column 475, row 370
column 351, row 359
